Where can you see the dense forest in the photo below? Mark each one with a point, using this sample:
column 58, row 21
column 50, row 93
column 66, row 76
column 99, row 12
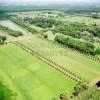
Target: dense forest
column 75, row 29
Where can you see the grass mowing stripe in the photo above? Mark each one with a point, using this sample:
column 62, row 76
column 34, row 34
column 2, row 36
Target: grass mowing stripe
column 35, row 79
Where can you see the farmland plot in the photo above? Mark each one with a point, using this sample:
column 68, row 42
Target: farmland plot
column 31, row 78
column 84, row 67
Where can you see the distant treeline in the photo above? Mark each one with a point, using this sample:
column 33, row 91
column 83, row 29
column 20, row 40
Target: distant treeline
column 23, row 8
column 4, row 15
column 63, row 7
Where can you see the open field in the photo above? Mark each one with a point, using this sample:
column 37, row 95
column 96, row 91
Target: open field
column 80, row 19
column 31, row 78
column 83, row 66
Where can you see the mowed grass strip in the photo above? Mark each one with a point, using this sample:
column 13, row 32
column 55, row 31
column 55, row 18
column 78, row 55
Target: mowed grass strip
column 30, row 77
column 84, row 67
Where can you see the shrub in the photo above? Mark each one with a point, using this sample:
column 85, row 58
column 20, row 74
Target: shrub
column 91, row 94
column 6, row 93
column 2, row 39
column 45, row 36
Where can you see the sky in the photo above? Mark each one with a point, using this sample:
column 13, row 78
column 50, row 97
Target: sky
column 11, row 1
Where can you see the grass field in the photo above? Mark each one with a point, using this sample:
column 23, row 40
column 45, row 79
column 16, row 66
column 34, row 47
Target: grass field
column 87, row 20
column 84, row 67
column 30, row 77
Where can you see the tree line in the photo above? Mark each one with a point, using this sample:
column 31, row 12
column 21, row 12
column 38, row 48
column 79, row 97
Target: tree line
column 4, row 15
column 10, row 31
column 82, row 46
column 75, row 29
column 22, row 24
column 41, row 22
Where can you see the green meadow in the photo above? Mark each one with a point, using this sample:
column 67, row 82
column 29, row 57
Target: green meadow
column 81, row 65
column 29, row 77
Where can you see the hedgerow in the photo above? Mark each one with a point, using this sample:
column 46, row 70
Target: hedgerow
column 82, row 46
column 10, row 31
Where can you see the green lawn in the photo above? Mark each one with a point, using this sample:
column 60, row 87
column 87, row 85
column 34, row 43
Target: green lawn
column 31, row 78
column 82, row 66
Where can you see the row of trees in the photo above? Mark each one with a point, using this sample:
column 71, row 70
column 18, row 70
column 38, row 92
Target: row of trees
column 2, row 39
column 82, row 46
column 41, row 22
column 6, row 93
column 10, row 31
column 75, row 29
column 72, row 29
column 22, row 24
